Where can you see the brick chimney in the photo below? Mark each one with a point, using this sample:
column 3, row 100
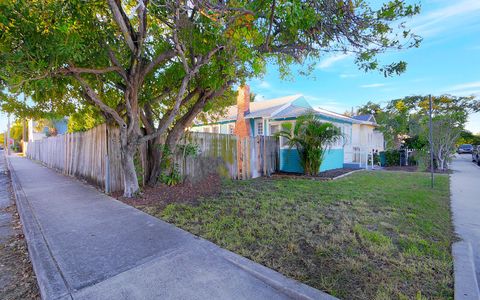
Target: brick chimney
column 242, row 126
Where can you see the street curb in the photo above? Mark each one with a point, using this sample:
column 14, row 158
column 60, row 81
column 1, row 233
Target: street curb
column 50, row 280
column 466, row 284
column 347, row 174
column 290, row 287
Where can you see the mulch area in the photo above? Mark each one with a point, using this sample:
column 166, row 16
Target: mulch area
column 325, row 175
column 161, row 195
column 17, row 275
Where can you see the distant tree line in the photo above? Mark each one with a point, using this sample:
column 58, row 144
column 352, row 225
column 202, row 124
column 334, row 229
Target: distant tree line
column 405, row 123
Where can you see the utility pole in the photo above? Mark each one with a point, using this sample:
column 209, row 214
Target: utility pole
column 430, row 137
column 8, row 136
column 24, row 129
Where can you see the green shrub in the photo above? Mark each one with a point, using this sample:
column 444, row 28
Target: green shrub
column 392, row 158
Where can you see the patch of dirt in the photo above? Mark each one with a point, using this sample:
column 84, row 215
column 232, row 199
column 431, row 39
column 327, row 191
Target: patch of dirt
column 17, row 276
column 325, row 175
column 161, row 195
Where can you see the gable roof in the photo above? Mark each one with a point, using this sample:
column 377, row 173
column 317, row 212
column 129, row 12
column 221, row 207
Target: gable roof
column 280, row 108
column 365, row 118
column 331, row 114
column 260, row 109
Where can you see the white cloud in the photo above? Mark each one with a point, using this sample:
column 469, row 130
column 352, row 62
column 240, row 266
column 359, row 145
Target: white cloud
column 451, row 17
column 465, row 86
column 328, row 103
column 264, row 84
column 473, row 123
column 347, row 75
column 329, row 61
column 259, row 97
column 464, row 89
column 373, row 85
column 335, row 106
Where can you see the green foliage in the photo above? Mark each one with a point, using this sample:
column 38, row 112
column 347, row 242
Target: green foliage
column 312, row 138
column 84, row 119
column 392, row 158
column 16, row 131
column 160, row 64
column 171, row 174
column 467, row 137
column 139, row 170
column 404, row 120
column 172, row 178
column 189, row 149
column 415, row 142
column 41, row 38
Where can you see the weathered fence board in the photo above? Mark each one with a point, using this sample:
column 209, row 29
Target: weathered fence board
column 95, row 155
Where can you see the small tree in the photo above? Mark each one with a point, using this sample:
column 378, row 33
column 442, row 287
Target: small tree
column 445, row 133
column 312, row 139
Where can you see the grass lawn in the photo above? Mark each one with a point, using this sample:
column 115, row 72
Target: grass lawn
column 371, row 235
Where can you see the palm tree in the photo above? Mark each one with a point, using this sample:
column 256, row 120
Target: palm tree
column 312, row 139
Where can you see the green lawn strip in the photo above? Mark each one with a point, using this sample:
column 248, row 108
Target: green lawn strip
column 371, row 235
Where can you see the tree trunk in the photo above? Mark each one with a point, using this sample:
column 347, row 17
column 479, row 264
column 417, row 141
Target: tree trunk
column 128, row 149
column 130, row 180
column 154, row 158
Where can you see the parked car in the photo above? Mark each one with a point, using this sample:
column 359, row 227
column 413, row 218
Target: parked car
column 465, row 149
column 476, row 154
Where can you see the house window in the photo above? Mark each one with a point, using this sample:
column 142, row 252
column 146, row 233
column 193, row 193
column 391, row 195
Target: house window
column 206, row 129
column 283, row 140
column 260, row 128
column 215, row 129
column 231, row 128
column 274, row 129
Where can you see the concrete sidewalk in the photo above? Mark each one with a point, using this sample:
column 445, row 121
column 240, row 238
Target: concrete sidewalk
column 86, row 245
column 464, row 186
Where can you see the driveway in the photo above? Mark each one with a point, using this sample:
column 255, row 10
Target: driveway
column 86, row 245
column 465, row 190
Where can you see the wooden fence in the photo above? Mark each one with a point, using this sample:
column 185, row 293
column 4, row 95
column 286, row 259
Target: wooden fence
column 94, row 155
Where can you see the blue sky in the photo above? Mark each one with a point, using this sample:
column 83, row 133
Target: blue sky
column 447, row 61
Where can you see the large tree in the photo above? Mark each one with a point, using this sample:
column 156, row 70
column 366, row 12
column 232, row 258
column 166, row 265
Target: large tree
column 151, row 66
column 406, row 120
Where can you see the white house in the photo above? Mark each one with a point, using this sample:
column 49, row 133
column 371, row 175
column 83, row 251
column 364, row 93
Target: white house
column 366, row 139
column 266, row 117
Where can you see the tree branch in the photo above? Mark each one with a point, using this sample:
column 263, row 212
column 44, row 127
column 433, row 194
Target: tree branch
column 123, row 22
column 162, row 57
column 96, row 99
column 78, row 70
column 117, row 63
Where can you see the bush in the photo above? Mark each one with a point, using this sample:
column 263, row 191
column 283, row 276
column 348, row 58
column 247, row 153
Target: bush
column 392, row 158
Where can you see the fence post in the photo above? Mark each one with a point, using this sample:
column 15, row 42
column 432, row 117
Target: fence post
column 107, row 175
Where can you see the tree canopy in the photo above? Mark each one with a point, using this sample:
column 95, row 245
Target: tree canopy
column 401, row 119
column 404, row 122
column 150, row 67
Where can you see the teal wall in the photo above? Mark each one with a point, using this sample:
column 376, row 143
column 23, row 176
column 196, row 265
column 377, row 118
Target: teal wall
column 290, row 161
column 333, row 160
column 252, row 127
